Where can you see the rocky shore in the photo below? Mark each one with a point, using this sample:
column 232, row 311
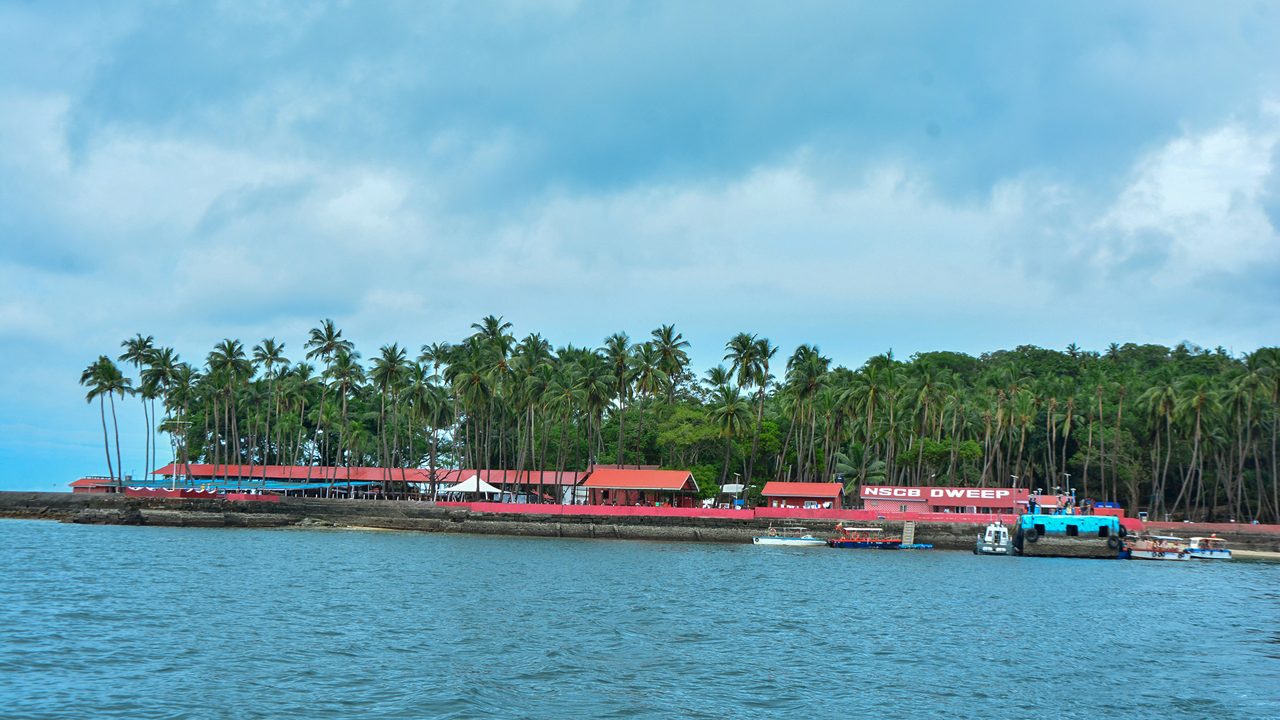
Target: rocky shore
column 428, row 517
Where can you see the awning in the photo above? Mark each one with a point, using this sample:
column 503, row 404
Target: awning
column 472, row 484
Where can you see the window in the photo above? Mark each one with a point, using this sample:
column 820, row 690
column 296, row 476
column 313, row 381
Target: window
column 902, row 508
column 1073, row 530
column 1103, row 531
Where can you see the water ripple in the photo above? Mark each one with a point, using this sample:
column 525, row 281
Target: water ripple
column 112, row 622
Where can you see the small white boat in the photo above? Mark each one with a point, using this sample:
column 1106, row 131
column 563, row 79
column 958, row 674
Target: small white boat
column 994, row 540
column 1157, row 547
column 1209, row 548
column 792, row 535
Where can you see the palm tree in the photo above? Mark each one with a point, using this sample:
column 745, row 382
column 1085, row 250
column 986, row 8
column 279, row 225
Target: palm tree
column 325, row 342
column 137, row 351
column 617, row 353
column 731, row 413
column 717, row 377
column 650, row 379
column 228, row 363
column 270, row 355
column 159, row 378
column 345, row 376
column 760, row 357
column 388, row 373
column 671, row 349
column 104, row 379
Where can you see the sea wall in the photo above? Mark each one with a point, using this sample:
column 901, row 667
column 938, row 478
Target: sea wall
column 429, row 517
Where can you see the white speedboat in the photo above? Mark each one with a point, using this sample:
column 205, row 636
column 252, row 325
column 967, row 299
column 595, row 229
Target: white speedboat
column 994, row 540
column 792, row 535
column 1209, row 548
column 1156, row 547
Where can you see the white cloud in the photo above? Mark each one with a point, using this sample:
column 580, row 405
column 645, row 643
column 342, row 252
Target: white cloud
column 1202, row 195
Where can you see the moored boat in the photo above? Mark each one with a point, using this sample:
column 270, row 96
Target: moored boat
column 867, row 538
column 994, row 540
column 791, row 535
column 1068, row 535
column 1155, row 547
column 1209, row 548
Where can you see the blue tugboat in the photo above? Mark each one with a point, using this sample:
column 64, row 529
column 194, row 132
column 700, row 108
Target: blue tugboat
column 1066, row 534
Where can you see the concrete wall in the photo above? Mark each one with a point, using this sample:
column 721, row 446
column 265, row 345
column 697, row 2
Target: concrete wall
column 703, row 526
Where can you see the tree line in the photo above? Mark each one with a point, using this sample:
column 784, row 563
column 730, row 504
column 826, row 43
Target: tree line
column 1181, row 431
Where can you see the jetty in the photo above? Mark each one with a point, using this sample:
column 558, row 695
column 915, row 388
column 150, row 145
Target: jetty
column 537, row 520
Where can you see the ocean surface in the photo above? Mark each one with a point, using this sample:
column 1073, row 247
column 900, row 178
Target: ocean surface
column 135, row 622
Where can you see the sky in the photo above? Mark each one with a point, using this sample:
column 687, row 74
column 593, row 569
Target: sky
column 863, row 176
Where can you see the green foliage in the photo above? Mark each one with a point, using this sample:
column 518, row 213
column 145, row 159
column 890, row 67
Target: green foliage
column 1182, row 430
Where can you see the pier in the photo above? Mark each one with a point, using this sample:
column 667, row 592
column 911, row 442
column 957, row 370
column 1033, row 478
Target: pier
column 943, row 530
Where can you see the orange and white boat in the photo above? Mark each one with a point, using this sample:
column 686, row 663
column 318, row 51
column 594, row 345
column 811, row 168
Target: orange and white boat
column 1156, row 547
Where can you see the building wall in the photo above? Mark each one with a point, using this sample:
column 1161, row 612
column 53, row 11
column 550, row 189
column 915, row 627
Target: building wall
column 799, row 502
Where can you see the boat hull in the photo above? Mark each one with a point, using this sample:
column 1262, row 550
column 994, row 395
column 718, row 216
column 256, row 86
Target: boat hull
column 789, row 542
column 1158, row 555
column 984, row 548
column 1202, row 554
column 1080, row 547
column 866, row 544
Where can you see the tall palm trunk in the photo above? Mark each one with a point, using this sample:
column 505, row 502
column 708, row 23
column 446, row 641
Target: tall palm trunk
column 115, row 425
column 106, row 442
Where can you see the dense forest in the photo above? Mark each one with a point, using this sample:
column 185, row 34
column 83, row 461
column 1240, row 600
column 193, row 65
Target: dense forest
column 1180, row 431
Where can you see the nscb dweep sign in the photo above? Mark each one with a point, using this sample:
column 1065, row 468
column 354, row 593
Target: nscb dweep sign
column 947, row 496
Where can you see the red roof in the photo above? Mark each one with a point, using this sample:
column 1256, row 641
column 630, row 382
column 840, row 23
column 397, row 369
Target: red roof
column 92, row 482
column 320, row 473
column 615, row 479
column 829, row 491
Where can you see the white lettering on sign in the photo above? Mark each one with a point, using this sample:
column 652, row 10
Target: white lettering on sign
column 968, row 493
column 891, row 492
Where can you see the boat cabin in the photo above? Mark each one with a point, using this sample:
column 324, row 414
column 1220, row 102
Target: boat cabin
column 1208, row 543
column 996, row 534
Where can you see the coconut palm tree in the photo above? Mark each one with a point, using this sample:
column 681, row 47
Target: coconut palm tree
column 270, row 355
column 388, row 374
column 731, row 414
column 325, row 342
column 617, row 353
column 650, row 379
column 671, row 347
column 105, row 380
column 345, row 377
column 137, row 352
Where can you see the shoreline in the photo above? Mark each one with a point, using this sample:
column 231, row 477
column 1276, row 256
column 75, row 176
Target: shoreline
column 406, row 515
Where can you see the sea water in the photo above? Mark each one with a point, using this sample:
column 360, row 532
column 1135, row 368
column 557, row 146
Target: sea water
column 138, row 622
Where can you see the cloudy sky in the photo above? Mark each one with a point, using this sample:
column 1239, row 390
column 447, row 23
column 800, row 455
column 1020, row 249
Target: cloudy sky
column 863, row 176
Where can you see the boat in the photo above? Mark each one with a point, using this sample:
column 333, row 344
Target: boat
column 1067, row 534
column 1209, row 548
column 870, row 538
column 1155, row 547
column 791, row 535
column 994, row 540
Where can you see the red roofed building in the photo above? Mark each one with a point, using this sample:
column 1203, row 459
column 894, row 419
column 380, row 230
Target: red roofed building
column 612, row 486
column 798, row 494
column 96, row 484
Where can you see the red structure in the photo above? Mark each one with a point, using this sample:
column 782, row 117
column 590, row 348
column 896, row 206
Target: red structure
column 917, row 499
column 323, row 473
column 94, row 484
column 611, row 486
column 803, row 495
